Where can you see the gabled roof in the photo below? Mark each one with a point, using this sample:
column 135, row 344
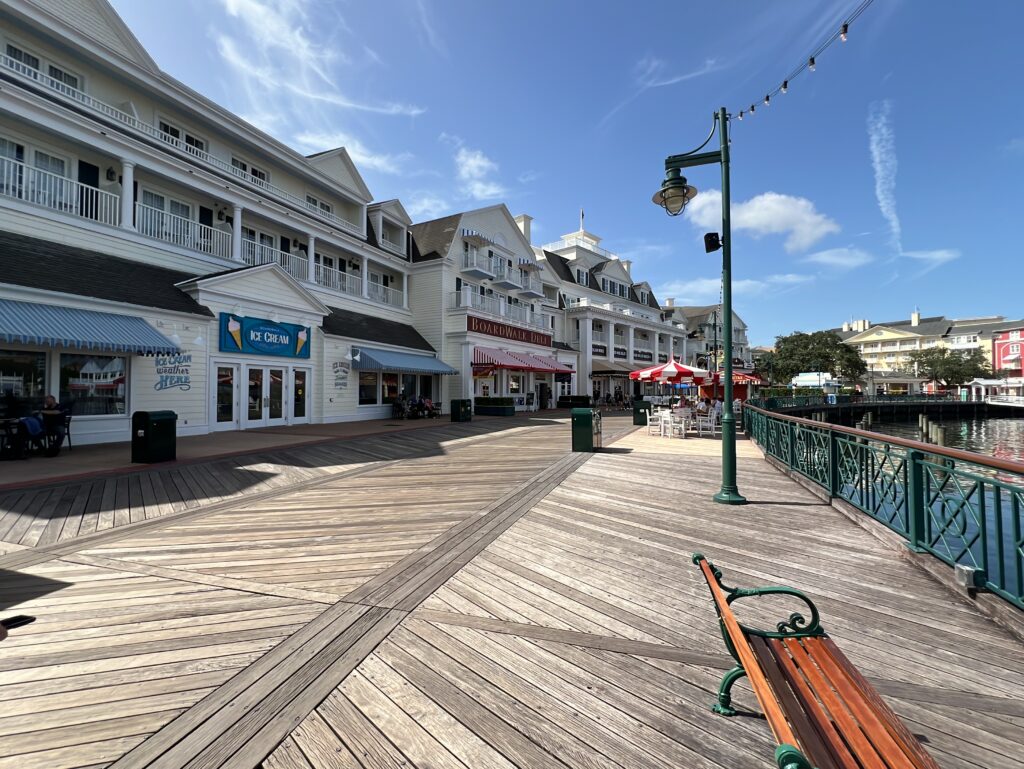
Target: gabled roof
column 356, row 325
column 48, row 266
column 394, row 208
column 560, row 266
column 97, row 21
column 433, row 239
column 320, row 161
column 273, row 271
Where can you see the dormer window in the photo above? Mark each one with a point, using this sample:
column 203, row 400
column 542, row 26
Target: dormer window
column 643, row 297
column 583, row 277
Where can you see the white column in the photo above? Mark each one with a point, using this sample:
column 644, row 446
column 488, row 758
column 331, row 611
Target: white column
column 365, row 271
column 127, row 194
column 236, row 232
column 611, row 340
column 466, row 372
column 583, row 385
column 311, row 257
column 684, row 349
column 405, row 291
column 630, row 333
column 654, row 350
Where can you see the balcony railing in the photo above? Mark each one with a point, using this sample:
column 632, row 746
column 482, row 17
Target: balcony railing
column 256, row 253
column 392, row 245
column 180, row 231
column 58, row 193
column 572, row 242
column 505, row 274
column 465, row 300
column 37, row 78
column 472, row 260
column 530, row 283
column 599, row 337
column 643, row 344
column 384, row 294
column 335, row 279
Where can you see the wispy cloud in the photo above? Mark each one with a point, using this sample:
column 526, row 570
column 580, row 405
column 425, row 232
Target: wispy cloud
column 425, row 206
column 848, row 258
column 1016, row 146
column 882, row 145
column 434, row 40
column 278, row 55
column 769, row 213
column 708, row 290
column 363, row 156
column 651, row 72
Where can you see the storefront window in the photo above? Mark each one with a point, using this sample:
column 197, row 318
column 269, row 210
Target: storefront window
column 94, row 385
column 408, row 385
column 22, row 382
column 388, row 388
column 367, row 388
column 515, row 384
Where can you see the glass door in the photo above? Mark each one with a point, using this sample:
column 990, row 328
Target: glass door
column 267, row 398
column 226, row 414
column 300, row 396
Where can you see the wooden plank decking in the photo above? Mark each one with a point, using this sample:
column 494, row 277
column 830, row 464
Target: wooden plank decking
column 461, row 598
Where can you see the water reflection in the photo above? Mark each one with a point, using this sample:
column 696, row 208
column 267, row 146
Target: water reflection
column 999, row 438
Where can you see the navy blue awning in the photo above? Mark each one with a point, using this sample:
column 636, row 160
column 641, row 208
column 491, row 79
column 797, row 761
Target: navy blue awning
column 47, row 324
column 371, row 359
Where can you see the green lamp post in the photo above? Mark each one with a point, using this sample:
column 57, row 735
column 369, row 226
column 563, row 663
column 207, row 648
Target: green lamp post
column 673, row 196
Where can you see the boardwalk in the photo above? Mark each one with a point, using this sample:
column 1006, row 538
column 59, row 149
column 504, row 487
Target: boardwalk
column 455, row 597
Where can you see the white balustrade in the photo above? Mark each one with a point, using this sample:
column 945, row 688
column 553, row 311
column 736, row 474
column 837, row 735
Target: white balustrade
column 58, row 193
column 384, row 294
column 335, row 279
column 391, row 245
column 473, row 260
column 23, row 72
column 180, row 231
column 254, row 253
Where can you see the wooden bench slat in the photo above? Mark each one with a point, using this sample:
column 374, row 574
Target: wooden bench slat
column 896, row 728
column 812, row 741
column 838, row 749
column 762, row 689
column 836, row 708
column 872, row 720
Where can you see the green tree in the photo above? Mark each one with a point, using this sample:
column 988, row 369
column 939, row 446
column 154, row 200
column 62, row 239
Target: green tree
column 949, row 367
column 820, row 351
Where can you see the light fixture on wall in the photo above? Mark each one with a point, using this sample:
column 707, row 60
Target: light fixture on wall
column 175, row 340
column 111, row 174
column 350, row 357
column 198, row 341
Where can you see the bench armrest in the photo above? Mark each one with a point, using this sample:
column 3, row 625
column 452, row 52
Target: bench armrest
column 797, row 626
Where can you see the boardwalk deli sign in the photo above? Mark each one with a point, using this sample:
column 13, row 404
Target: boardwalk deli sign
column 505, row 331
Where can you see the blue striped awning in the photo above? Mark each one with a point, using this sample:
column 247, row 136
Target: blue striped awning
column 47, row 324
column 371, row 359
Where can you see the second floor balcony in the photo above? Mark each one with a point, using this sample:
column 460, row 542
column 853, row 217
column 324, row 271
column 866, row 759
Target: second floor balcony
column 296, row 265
column 505, row 276
column 19, row 181
column 495, row 306
column 530, row 286
column 183, row 232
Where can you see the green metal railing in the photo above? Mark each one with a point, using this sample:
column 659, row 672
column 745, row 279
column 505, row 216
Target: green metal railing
column 965, row 509
column 803, row 401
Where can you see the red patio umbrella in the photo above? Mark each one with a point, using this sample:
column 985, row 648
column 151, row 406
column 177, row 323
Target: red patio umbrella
column 672, row 372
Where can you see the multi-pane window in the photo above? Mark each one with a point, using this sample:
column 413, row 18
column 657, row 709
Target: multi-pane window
column 47, row 162
column 190, row 140
column 583, row 277
column 64, row 77
column 93, row 385
column 23, row 56
column 317, row 203
column 257, row 173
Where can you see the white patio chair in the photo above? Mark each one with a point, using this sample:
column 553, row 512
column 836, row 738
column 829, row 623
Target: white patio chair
column 653, row 423
column 706, row 424
column 677, row 426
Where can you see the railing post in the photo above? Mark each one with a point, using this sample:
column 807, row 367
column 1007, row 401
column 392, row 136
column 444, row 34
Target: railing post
column 915, row 501
column 833, row 464
column 792, row 443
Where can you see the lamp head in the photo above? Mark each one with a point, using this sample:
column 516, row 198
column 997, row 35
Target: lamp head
column 712, row 242
column 675, row 193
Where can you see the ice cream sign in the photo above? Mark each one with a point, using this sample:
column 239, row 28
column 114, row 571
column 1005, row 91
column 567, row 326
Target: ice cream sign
column 259, row 336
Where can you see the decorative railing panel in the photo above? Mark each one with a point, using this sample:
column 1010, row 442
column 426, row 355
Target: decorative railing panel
column 965, row 509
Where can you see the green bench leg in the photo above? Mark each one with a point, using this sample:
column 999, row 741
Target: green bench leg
column 788, row 757
column 723, row 706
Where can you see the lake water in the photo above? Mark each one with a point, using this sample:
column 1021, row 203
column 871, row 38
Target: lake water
column 1002, row 438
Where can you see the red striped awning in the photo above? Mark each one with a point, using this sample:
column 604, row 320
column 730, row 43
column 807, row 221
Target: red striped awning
column 492, row 357
column 543, row 364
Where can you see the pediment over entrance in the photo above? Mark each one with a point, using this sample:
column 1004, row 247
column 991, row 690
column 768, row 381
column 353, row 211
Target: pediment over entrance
column 264, row 291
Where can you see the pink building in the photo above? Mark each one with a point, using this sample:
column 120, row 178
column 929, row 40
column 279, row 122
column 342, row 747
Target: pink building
column 1006, row 357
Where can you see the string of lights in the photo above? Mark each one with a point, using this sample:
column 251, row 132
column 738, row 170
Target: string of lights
column 810, row 63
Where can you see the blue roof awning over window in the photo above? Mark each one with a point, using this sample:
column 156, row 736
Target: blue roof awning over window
column 47, row 324
column 371, row 359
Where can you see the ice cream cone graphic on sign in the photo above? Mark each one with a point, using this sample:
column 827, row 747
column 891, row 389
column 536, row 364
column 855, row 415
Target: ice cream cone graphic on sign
column 235, row 329
column 303, row 338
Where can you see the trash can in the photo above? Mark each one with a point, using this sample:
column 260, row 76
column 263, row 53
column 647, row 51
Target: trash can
column 154, row 436
column 586, row 429
column 640, row 411
column 462, row 410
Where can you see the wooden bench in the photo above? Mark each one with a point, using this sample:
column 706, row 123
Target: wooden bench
column 823, row 712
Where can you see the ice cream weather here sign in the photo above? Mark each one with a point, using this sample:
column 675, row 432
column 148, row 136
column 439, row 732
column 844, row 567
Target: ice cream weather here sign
column 258, row 336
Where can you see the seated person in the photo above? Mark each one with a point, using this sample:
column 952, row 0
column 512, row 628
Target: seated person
column 53, row 415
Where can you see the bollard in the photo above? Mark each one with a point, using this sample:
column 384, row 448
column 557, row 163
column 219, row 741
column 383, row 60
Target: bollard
column 940, row 435
column 870, row 417
column 920, row 421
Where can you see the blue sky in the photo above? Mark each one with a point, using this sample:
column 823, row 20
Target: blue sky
column 889, row 178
